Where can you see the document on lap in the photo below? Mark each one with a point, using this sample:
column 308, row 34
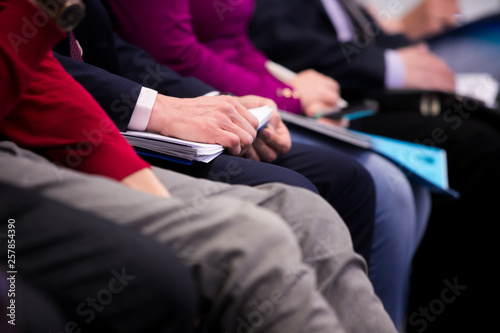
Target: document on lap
column 183, row 151
column 426, row 165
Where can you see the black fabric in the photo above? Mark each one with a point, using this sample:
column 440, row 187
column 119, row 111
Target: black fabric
column 459, row 243
column 309, row 40
column 69, row 257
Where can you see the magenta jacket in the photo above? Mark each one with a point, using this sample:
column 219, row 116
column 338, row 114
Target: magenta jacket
column 206, row 39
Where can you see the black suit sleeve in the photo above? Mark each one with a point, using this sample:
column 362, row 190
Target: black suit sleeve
column 137, row 65
column 116, row 95
column 299, row 35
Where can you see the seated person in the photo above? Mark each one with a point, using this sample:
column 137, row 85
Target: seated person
column 223, row 52
column 322, row 280
column 213, row 120
column 327, row 36
column 71, row 275
column 468, row 43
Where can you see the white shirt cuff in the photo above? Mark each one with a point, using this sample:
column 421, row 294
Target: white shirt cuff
column 143, row 108
column 394, row 70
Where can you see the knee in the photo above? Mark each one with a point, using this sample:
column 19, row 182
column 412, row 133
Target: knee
column 395, row 203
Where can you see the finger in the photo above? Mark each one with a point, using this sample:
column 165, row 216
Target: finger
column 230, row 141
column 246, row 139
column 266, row 153
column 239, row 115
column 280, row 143
column 330, row 98
column 246, row 114
column 251, row 154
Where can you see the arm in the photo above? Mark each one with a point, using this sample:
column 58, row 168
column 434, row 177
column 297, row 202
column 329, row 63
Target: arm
column 59, row 119
column 309, row 41
column 428, row 18
column 20, row 56
column 167, row 34
column 137, row 65
column 116, row 95
column 219, row 120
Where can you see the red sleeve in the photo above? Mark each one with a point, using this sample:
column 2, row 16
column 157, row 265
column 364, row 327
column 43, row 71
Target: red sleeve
column 24, row 42
column 58, row 118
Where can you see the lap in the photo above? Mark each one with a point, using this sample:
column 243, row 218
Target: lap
column 69, row 255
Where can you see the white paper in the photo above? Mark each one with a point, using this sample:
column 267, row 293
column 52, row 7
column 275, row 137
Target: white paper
column 189, row 150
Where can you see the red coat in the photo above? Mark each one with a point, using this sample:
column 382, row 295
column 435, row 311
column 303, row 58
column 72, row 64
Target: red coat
column 43, row 109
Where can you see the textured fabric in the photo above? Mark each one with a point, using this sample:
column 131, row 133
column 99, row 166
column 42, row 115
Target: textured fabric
column 226, row 241
column 401, row 216
column 20, row 57
column 76, row 52
column 40, row 97
column 72, row 257
column 310, row 40
column 473, row 152
column 207, row 40
column 58, row 117
column 335, row 176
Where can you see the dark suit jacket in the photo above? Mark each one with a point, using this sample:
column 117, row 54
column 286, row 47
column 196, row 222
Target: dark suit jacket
column 299, row 35
column 114, row 71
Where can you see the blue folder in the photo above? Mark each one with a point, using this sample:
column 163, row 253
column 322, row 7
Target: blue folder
column 424, row 165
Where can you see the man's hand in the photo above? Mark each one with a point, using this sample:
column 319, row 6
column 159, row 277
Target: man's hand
column 317, row 91
column 220, row 119
column 424, row 70
column 273, row 139
column 430, row 17
column 145, row 180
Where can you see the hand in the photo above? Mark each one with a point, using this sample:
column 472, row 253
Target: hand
column 317, row 91
column 430, row 17
column 220, row 119
column 273, row 139
column 145, row 180
column 425, row 70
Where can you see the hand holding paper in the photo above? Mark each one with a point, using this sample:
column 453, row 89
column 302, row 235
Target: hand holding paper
column 172, row 148
column 221, row 120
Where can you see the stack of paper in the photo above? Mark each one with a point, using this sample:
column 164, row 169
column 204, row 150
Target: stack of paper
column 157, row 145
column 481, row 86
column 425, row 165
column 188, row 150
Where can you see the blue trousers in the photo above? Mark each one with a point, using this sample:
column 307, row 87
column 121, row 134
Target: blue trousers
column 401, row 214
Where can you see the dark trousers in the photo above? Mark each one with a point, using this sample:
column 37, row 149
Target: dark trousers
column 76, row 271
column 338, row 178
column 453, row 274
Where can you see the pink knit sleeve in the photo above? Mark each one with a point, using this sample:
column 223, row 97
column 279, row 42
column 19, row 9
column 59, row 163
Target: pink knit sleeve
column 164, row 29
